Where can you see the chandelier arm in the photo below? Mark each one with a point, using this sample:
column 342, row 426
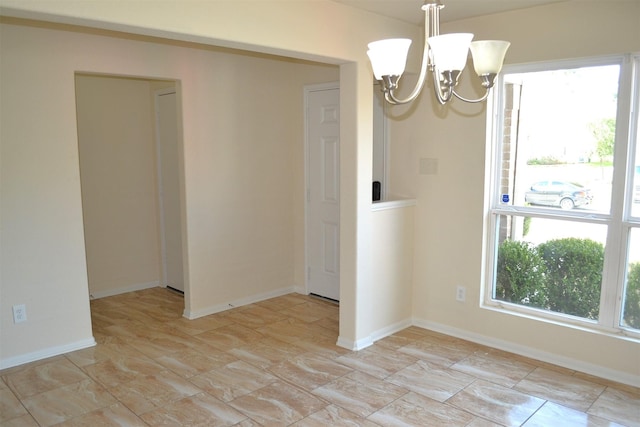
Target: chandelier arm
column 473, row 101
column 442, row 96
column 389, row 95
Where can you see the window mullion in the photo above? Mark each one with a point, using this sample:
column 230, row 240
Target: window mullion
column 613, row 274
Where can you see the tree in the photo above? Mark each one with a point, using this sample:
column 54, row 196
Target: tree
column 604, row 132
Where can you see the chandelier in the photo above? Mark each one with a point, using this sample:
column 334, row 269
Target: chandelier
column 444, row 56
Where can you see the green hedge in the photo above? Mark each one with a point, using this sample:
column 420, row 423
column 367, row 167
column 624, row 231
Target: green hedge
column 520, row 277
column 573, row 275
column 632, row 297
column 562, row 275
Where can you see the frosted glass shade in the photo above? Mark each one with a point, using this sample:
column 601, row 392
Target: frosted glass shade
column 388, row 57
column 450, row 51
column 488, row 55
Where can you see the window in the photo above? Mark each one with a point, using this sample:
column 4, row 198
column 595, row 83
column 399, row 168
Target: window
column 565, row 193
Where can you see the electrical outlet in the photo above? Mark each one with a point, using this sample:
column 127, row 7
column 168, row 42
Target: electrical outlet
column 19, row 313
column 461, row 293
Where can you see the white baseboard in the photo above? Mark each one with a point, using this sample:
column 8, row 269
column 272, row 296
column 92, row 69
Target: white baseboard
column 45, row 353
column 194, row 314
column 123, row 290
column 566, row 362
column 300, row 290
column 391, row 329
column 373, row 337
column 360, row 344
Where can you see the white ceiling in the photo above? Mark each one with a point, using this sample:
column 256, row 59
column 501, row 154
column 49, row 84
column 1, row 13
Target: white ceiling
column 409, row 10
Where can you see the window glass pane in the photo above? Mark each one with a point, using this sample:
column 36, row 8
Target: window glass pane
column 631, row 306
column 635, row 196
column 550, row 264
column 558, row 138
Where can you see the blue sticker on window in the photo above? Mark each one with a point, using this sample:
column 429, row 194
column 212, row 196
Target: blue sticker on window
column 505, row 198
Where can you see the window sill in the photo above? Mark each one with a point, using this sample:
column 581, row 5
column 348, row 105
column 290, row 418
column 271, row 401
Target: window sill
column 392, row 204
column 558, row 319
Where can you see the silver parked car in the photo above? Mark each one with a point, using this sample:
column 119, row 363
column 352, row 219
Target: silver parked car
column 566, row 195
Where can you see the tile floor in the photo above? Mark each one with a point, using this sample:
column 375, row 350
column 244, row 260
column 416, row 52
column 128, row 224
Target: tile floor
column 275, row 363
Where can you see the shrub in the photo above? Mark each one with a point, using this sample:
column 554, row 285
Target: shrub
column 631, row 315
column 547, row 160
column 519, row 274
column 573, row 275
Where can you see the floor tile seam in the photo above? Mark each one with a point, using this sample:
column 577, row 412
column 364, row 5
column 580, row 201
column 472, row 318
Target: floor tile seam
column 460, row 391
column 604, row 417
column 154, row 408
column 12, row 391
column 98, row 408
column 136, row 377
column 22, row 404
column 302, row 388
column 557, row 401
column 253, row 363
column 475, row 416
column 30, row 414
column 624, row 389
column 361, row 383
column 294, row 384
column 84, row 366
column 368, row 417
column 143, row 357
column 452, row 405
column 490, row 379
column 324, row 327
column 265, row 338
column 239, row 409
column 441, row 366
column 395, row 400
column 227, row 403
column 360, row 370
column 21, row 398
column 353, row 414
column 7, row 372
column 536, row 411
column 611, row 420
column 130, row 408
column 304, row 355
column 338, row 404
column 175, row 402
column 270, row 382
column 586, row 412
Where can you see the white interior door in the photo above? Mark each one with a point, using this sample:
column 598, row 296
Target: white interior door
column 169, row 189
column 323, row 192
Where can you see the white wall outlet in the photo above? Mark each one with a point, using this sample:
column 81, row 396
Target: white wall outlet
column 461, row 293
column 19, row 313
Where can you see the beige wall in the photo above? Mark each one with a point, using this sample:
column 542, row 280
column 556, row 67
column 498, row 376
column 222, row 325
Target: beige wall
column 441, row 221
column 449, row 229
column 118, row 178
column 262, row 26
column 392, row 268
column 243, row 120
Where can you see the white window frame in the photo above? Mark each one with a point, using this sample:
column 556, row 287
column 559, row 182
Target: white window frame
column 619, row 220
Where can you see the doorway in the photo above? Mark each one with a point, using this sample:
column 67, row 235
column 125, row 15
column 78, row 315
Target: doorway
column 119, row 174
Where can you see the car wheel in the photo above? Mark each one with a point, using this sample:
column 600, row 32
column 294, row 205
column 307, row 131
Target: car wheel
column 566, row 203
